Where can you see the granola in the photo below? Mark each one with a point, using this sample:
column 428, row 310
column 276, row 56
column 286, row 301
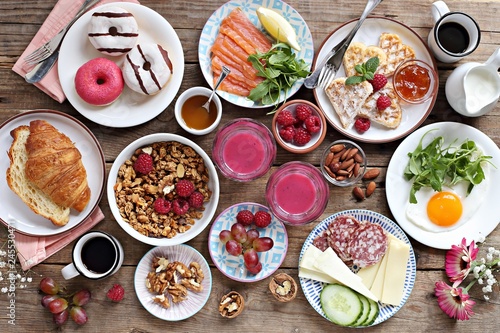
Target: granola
column 136, row 193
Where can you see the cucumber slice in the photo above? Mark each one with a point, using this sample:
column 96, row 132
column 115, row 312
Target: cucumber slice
column 374, row 311
column 366, row 311
column 341, row 304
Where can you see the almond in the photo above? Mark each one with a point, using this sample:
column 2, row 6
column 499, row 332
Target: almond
column 370, row 188
column 371, row 174
column 351, row 153
column 346, row 164
column 358, row 193
column 358, row 158
column 329, row 159
column 336, row 148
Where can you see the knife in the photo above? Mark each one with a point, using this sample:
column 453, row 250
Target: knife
column 42, row 68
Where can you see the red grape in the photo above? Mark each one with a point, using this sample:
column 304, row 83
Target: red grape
column 78, row 315
column 61, row 317
column 224, row 236
column 47, row 299
column 233, row 247
column 82, row 297
column 251, row 235
column 263, row 244
column 239, row 232
column 251, row 258
column 49, row 286
column 58, row 305
column 256, row 269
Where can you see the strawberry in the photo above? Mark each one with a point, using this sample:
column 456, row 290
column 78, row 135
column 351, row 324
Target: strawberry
column 362, row 125
column 302, row 112
column 313, row 124
column 301, row 137
column 143, row 164
column 285, row 118
column 245, row 217
column 379, row 81
column 383, row 102
column 287, row 133
column 184, row 188
column 116, row 293
column 262, row 219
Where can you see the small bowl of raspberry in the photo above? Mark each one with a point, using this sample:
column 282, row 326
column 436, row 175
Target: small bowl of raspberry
column 343, row 163
column 299, row 126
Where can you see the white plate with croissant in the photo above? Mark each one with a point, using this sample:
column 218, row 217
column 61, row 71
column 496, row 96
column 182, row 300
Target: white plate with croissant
column 54, row 172
column 368, row 40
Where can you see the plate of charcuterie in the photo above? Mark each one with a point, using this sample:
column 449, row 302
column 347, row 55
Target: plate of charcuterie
column 312, row 287
column 211, row 31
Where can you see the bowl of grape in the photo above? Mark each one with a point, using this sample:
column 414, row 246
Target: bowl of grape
column 247, row 243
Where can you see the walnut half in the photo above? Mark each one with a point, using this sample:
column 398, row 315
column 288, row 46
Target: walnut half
column 231, row 304
column 283, row 287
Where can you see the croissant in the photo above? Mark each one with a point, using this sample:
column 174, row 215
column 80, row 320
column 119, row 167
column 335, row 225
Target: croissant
column 55, row 166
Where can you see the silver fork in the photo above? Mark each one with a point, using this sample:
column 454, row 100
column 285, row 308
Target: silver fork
column 44, row 51
column 326, row 71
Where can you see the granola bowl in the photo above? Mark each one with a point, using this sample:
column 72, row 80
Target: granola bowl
column 159, row 301
column 146, row 198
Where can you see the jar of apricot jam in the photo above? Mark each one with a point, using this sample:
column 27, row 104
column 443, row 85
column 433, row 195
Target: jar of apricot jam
column 415, row 81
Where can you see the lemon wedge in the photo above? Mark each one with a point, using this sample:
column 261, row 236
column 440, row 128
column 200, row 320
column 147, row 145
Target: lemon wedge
column 278, row 27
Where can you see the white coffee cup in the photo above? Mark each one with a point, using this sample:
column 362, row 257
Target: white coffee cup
column 454, row 35
column 96, row 255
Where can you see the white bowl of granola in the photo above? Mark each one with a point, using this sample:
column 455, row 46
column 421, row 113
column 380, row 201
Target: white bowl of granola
column 163, row 189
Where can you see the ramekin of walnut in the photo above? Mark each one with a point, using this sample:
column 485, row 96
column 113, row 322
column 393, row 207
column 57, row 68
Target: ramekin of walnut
column 163, row 189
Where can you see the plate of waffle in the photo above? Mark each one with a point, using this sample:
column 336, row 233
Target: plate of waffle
column 392, row 42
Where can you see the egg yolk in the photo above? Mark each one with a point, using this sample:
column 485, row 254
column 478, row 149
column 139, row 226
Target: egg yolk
column 444, row 209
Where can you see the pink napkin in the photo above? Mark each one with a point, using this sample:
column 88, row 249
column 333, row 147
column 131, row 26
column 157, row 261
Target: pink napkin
column 32, row 250
column 63, row 12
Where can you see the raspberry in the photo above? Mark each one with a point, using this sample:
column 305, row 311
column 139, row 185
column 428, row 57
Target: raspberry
column 245, row 217
column 262, row 219
column 180, row 206
column 196, row 200
column 116, row 293
column 378, row 82
column 184, row 188
column 285, row 118
column 313, row 124
column 143, row 164
column 301, row 137
column 287, row 133
column 162, row 206
column 383, row 102
column 302, row 112
column 362, row 125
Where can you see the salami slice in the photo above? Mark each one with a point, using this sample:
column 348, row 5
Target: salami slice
column 340, row 231
column 321, row 241
column 368, row 244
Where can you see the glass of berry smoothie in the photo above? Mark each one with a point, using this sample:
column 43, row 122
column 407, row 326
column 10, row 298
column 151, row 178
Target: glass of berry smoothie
column 297, row 193
column 244, row 149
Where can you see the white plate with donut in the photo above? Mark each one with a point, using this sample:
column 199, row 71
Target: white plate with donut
column 131, row 108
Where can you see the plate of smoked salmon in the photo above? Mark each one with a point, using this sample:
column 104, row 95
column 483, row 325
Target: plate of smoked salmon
column 232, row 33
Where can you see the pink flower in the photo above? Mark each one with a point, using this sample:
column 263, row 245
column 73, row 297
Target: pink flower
column 453, row 301
column 458, row 261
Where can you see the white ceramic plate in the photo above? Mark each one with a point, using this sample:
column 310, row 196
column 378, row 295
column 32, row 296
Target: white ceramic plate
column 195, row 300
column 13, row 210
column 312, row 288
column 131, row 108
column 210, row 207
column 486, row 217
column 233, row 267
column 369, row 33
column 249, row 7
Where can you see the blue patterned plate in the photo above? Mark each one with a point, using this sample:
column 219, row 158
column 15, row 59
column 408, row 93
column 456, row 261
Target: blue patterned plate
column 249, row 7
column 233, row 267
column 312, row 288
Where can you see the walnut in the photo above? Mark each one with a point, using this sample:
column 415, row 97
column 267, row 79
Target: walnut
column 283, row 287
column 231, row 305
column 162, row 300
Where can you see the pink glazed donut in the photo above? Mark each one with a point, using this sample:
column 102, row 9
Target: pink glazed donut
column 99, row 81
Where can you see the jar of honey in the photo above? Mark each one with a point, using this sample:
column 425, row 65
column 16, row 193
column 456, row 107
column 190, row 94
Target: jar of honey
column 415, row 81
column 190, row 114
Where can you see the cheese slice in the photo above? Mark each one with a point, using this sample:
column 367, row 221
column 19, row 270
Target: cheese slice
column 329, row 263
column 377, row 287
column 314, row 275
column 310, row 255
column 368, row 274
column 397, row 258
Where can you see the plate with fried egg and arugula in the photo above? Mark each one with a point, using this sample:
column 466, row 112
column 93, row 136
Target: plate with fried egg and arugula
column 440, row 184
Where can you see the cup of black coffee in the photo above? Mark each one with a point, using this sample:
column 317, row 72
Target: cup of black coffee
column 454, row 35
column 96, row 255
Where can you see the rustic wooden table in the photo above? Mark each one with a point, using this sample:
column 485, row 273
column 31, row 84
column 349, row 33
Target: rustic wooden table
column 20, row 20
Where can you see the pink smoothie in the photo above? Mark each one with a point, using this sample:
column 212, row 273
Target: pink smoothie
column 244, row 152
column 295, row 193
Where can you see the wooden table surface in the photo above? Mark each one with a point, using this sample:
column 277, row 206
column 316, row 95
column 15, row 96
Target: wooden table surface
column 20, row 20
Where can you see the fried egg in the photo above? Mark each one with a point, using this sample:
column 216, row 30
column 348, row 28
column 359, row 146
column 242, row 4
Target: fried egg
column 448, row 209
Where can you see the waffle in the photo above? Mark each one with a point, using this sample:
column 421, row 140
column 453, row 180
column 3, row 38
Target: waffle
column 396, row 52
column 348, row 100
column 358, row 53
column 390, row 117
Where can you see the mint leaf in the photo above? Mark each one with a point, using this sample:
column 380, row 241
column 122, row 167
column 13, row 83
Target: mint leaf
column 372, row 64
column 354, row 80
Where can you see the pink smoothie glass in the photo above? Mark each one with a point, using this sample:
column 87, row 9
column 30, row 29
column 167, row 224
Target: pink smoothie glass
column 244, row 149
column 297, row 193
